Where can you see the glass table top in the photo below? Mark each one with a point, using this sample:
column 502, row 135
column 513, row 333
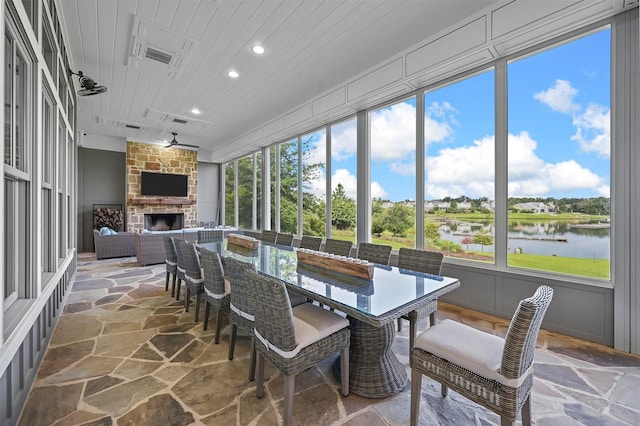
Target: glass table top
column 391, row 288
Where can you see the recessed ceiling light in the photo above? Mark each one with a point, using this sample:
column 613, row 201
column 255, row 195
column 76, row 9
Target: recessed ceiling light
column 257, row 49
column 195, row 111
column 233, row 74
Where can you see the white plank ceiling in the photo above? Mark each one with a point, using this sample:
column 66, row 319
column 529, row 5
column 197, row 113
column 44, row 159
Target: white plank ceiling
column 324, row 59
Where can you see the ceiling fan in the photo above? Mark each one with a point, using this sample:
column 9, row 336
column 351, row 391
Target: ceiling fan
column 174, row 142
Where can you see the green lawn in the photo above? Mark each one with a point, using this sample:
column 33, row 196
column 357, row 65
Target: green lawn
column 593, row 268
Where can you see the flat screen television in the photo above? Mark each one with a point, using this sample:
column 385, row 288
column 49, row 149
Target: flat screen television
column 164, row 184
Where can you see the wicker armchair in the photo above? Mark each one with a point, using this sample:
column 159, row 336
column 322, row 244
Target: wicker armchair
column 284, row 239
column 119, row 245
column 338, row 247
column 217, row 290
column 194, row 281
column 294, row 339
column 376, row 253
column 210, row 236
column 311, row 243
column 494, row 372
column 268, row 236
column 241, row 307
column 171, row 264
column 429, row 262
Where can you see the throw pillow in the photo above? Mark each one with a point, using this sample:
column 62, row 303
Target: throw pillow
column 104, row 231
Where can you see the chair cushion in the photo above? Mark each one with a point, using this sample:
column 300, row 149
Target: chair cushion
column 472, row 349
column 313, row 323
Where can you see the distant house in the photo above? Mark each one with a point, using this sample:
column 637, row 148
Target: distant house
column 535, row 207
column 464, row 205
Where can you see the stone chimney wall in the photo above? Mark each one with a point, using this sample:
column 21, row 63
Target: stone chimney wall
column 155, row 158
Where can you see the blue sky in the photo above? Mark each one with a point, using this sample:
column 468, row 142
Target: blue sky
column 558, row 132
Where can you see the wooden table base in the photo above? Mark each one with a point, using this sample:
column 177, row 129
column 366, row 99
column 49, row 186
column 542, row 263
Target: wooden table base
column 374, row 370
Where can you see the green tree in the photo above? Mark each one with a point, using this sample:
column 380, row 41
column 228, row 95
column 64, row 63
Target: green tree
column 343, row 209
column 431, row 232
column 483, row 239
column 397, row 219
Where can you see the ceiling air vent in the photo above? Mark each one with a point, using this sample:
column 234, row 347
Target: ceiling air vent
column 179, row 121
column 157, row 55
column 158, row 49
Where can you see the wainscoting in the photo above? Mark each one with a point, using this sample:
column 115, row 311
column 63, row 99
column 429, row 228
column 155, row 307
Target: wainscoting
column 22, row 352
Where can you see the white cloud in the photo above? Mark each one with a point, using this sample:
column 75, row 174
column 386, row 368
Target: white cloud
column 438, row 130
column 344, row 140
column 350, row 184
column 348, row 181
column 469, row 170
column 559, row 97
column 593, row 130
column 393, row 133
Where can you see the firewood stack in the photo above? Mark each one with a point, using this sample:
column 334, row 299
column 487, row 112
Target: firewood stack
column 111, row 218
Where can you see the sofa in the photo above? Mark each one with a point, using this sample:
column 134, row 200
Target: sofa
column 149, row 245
column 117, row 245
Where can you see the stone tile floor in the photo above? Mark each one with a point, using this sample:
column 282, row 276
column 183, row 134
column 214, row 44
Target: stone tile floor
column 124, row 352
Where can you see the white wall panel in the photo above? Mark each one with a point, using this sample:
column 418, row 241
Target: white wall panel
column 448, row 46
column 516, row 15
column 301, row 114
column 329, row 101
column 380, row 77
column 453, row 68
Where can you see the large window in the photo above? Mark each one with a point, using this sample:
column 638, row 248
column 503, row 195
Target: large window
column 460, row 168
column 344, row 146
column 230, row 194
column 393, row 174
column 559, row 158
column 289, row 186
column 18, row 85
column 245, row 187
column 314, row 183
column 48, row 150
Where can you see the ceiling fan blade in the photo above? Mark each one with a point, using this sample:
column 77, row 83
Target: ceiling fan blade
column 190, row 146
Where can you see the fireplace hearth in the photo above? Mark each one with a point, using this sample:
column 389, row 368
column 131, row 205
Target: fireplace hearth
column 163, row 221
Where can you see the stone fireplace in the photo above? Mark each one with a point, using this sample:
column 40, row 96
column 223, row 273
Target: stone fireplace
column 153, row 158
column 164, row 221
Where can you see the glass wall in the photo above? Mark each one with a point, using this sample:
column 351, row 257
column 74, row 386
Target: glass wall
column 560, row 158
column 558, row 174
column 289, row 186
column 314, row 183
column 392, row 136
column 344, row 147
column 245, row 192
column 230, row 194
column 459, row 166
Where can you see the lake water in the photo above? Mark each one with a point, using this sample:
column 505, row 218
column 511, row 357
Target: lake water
column 547, row 237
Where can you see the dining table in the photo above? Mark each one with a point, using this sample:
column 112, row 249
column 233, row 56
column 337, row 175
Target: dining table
column 372, row 307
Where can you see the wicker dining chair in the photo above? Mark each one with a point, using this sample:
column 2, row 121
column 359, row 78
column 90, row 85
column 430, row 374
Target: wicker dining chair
column 428, row 262
column 240, row 307
column 171, row 264
column 253, row 234
column 269, row 236
column 494, row 372
column 180, row 269
column 338, row 247
column 376, row 253
column 217, row 290
column 210, row 236
column 194, row 281
column 284, row 239
column 294, row 339
column 311, row 243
